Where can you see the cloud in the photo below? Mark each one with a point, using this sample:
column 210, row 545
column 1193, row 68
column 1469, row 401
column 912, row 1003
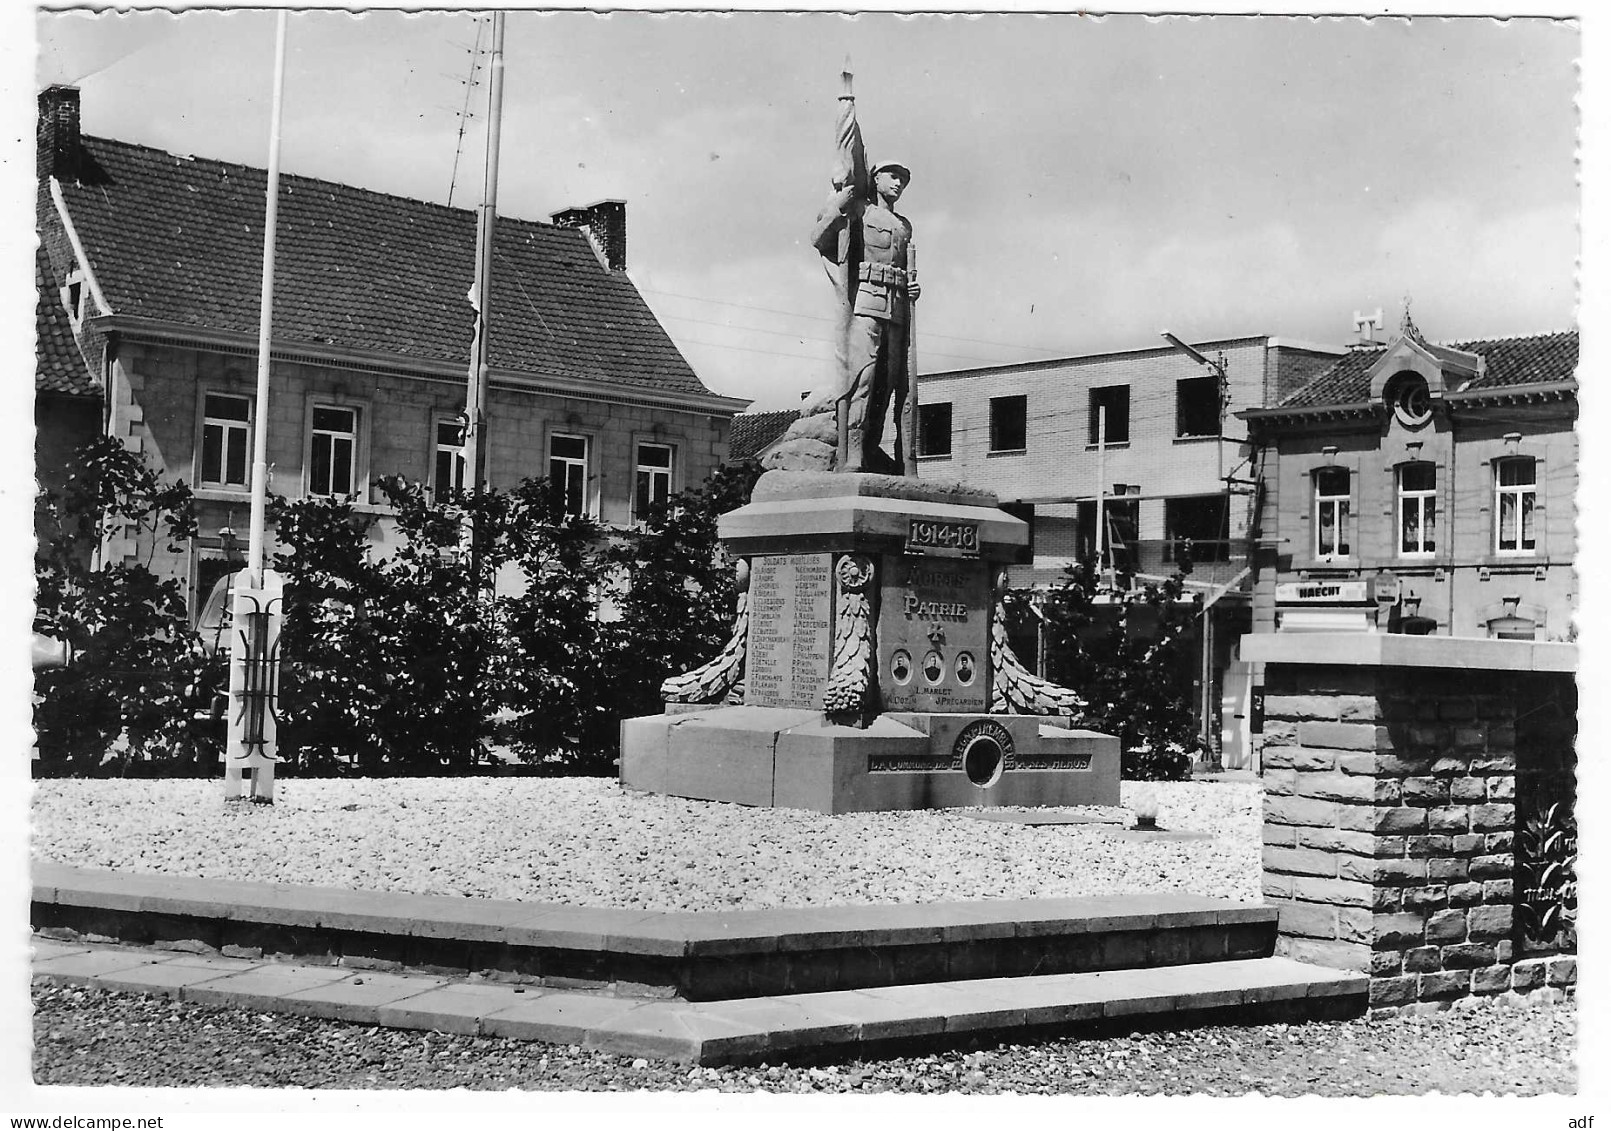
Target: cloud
column 1480, row 273
column 1084, row 283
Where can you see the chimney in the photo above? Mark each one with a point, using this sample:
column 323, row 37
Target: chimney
column 605, row 225
column 57, row 153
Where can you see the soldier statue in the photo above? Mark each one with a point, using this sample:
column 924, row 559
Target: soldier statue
column 867, row 248
column 869, row 243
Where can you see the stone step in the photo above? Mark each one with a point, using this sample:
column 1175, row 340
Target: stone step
column 695, row 956
column 801, row 1026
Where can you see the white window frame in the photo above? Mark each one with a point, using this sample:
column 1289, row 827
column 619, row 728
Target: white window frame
column 227, row 426
column 455, row 452
column 1422, row 502
column 1342, row 511
column 577, row 467
column 1521, row 495
column 663, row 474
column 356, row 471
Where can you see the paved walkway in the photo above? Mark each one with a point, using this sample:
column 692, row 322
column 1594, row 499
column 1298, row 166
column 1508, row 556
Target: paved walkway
column 741, row 1030
column 763, row 983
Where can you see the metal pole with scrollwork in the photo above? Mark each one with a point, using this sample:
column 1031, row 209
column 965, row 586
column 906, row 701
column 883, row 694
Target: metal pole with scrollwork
column 257, row 594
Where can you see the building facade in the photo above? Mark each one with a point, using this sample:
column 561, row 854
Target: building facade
column 1147, row 438
column 156, row 259
column 1422, row 488
column 1450, row 468
column 1141, row 433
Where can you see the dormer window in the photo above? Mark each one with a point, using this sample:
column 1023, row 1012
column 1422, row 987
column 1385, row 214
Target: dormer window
column 75, row 298
column 1407, row 395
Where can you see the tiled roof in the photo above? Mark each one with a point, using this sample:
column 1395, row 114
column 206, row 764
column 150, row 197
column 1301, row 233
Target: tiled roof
column 754, row 432
column 58, row 365
column 180, row 240
column 1532, row 360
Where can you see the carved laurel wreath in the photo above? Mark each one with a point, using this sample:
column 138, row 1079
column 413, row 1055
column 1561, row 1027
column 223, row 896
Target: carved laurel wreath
column 850, row 676
column 1014, row 689
column 722, row 679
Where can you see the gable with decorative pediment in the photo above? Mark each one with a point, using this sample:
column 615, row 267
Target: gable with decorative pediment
column 1407, row 355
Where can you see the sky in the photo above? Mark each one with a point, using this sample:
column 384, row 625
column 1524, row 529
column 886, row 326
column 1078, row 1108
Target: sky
column 1079, row 183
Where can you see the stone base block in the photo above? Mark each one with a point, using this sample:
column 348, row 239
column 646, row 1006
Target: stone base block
column 796, row 759
column 716, row 754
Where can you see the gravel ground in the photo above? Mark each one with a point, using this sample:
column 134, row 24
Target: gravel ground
column 585, row 841
column 95, row 1037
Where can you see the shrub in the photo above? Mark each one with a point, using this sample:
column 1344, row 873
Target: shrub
column 128, row 695
column 409, row 664
column 1134, row 659
column 676, row 597
column 333, row 681
column 547, row 690
column 396, row 663
column 1546, row 862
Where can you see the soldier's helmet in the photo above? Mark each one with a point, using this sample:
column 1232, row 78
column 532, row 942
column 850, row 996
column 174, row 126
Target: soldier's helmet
column 896, row 167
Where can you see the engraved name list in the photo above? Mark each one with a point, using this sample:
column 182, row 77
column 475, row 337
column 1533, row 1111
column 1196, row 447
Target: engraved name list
column 791, row 604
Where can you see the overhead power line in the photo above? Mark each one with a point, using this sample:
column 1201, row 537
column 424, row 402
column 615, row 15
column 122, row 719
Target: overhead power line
column 798, row 337
column 826, row 344
column 1047, row 350
column 746, row 329
column 1079, row 421
column 739, row 305
column 750, row 349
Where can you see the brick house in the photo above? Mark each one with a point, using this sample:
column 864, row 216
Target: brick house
column 1448, row 472
column 158, row 259
column 67, row 399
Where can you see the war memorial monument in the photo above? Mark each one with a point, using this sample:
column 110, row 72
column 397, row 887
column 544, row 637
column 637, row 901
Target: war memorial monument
column 869, row 667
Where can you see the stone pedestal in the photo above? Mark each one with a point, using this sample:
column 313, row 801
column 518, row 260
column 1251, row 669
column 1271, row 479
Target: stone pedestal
column 871, row 666
column 1390, row 770
column 796, row 759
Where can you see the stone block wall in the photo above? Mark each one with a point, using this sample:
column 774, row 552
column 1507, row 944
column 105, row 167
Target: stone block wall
column 1389, row 828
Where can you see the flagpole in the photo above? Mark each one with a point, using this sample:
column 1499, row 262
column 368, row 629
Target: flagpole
column 254, row 551
column 475, row 413
column 251, row 745
column 486, row 222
